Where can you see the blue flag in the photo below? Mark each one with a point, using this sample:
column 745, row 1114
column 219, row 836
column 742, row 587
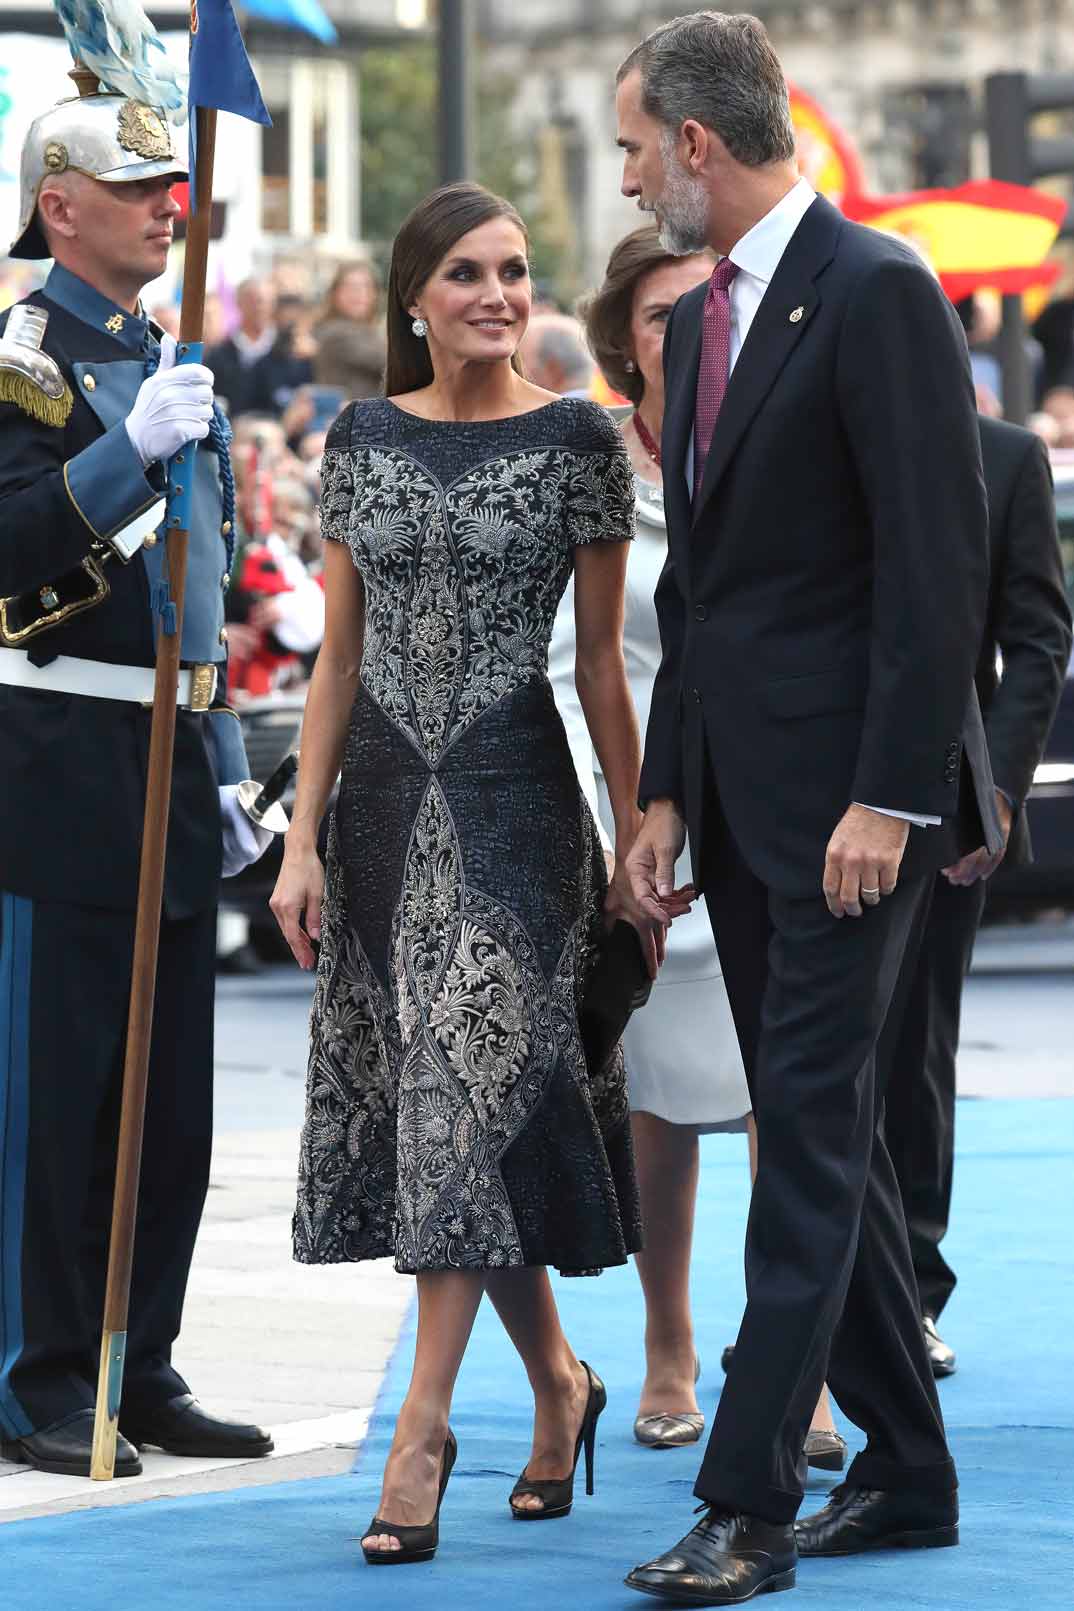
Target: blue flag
column 220, row 71
column 305, row 15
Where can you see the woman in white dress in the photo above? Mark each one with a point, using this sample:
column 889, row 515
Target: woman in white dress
column 684, row 1067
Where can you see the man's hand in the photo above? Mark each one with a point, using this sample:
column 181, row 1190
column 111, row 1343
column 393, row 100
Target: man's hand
column 862, row 863
column 982, row 863
column 650, row 865
column 173, row 407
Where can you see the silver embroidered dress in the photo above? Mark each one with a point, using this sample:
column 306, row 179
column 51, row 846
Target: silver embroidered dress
column 452, row 1119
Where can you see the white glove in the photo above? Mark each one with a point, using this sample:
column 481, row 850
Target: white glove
column 244, row 841
column 172, row 407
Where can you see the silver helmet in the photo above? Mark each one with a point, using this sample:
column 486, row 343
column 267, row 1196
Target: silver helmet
column 107, row 137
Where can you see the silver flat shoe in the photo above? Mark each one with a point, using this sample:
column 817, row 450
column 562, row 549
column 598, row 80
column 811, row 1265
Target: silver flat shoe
column 825, row 1451
column 665, row 1431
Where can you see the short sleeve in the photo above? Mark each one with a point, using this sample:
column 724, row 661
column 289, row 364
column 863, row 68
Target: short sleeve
column 600, row 492
column 337, row 479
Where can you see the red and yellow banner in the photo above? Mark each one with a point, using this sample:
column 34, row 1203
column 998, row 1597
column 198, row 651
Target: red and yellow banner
column 981, row 235
column 826, row 156
column 985, row 233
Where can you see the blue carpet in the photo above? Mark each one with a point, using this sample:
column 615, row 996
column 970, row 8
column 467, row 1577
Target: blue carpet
column 293, row 1546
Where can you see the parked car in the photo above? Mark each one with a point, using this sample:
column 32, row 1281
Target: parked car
column 1048, row 881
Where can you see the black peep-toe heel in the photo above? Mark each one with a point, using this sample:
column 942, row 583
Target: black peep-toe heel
column 416, row 1543
column 557, row 1493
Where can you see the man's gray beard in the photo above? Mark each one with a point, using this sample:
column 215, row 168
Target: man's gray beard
column 684, row 208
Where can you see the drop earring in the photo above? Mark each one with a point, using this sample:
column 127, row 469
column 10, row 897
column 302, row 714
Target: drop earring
column 419, row 327
column 630, row 366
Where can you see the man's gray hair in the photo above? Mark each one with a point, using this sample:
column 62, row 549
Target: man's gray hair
column 562, row 342
column 720, row 70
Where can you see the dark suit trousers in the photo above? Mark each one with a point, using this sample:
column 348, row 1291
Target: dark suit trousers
column 830, row 1291
column 64, row 983
column 917, row 1055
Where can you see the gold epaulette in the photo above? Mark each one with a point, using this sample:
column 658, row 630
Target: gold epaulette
column 17, row 387
column 29, row 378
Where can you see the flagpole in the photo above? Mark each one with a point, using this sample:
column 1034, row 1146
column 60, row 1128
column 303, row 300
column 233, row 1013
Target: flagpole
column 154, row 842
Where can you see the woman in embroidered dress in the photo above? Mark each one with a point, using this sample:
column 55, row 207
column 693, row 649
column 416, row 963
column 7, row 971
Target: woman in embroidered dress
column 452, row 1120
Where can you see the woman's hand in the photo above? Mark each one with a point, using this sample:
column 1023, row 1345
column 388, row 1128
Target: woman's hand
column 297, row 896
column 622, row 904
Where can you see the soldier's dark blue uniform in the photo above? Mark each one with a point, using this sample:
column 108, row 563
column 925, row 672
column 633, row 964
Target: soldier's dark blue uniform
column 71, row 811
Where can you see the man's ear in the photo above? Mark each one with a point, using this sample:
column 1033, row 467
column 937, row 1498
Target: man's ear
column 695, row 145
column 56, row 213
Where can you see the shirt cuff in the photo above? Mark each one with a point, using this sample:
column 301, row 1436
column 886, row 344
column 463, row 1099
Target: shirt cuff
column 904, row 816
column 107, row 485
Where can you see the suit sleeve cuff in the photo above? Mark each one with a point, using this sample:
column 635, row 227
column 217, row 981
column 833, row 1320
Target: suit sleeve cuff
column 917, row 819
column 107, row 484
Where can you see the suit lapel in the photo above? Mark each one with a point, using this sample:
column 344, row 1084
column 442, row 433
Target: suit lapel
column 680, row 395
column 781, row 321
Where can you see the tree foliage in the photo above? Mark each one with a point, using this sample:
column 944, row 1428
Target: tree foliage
column 399, row 159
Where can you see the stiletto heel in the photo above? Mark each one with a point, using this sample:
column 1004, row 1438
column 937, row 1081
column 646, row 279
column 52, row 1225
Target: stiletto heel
column 416, row 1543
column 590, row 1445
column 557, row 1493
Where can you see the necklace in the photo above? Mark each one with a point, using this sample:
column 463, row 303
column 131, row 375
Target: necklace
column 645, row 437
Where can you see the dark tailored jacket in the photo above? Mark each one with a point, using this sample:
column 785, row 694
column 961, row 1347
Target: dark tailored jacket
column 73, row 795
column 821, row 609
column 234, row 382
column 1028, row 615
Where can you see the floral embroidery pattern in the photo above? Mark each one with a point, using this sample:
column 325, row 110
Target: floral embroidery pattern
column 445, row 1025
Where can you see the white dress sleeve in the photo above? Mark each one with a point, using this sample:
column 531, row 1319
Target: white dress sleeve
column 561, row 653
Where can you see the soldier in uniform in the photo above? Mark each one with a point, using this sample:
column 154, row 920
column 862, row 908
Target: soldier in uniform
column 89, row 414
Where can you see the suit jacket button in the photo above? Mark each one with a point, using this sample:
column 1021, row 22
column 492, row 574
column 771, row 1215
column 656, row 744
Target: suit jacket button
column 697, row 694
column 700, row 613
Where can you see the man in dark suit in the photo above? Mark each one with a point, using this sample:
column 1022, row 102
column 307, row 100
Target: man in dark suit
column 1029, row 624
column 821, row 611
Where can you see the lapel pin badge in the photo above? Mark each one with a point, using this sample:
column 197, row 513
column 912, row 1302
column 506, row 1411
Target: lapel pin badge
column 797, row 315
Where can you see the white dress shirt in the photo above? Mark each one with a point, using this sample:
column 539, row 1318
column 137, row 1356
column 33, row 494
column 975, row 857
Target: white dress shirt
column 757, row 256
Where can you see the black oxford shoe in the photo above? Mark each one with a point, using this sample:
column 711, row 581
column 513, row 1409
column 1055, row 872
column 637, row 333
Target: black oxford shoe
column 726, row 1559
column 181, row 1426
column 65, row 1449
column 941, row 1357
column 859, row 1519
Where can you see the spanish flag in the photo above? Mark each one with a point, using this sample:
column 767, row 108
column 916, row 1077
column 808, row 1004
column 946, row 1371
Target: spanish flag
column 982, row 234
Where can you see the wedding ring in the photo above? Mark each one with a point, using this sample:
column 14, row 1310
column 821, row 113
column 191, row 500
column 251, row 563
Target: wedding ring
column 875, row 891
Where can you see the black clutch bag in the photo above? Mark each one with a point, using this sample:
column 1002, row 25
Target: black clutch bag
column 618, row 985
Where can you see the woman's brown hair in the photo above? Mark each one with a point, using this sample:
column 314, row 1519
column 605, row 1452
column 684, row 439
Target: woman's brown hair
column 356, row 265
column 424, row 240
column 607, row 313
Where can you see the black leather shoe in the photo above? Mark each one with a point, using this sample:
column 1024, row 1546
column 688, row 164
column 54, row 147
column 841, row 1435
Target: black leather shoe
column 726, row 1559
column 181, row 1426
column 859, row 1519
column 941, row 1358
column 65, row 1449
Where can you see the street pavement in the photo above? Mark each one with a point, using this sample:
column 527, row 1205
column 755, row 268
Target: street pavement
column 303, row 1350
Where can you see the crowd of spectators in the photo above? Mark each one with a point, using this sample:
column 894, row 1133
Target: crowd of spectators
column 1050, row 356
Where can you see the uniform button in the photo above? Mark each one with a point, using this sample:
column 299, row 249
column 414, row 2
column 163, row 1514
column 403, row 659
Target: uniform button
column 89, row 383
column 700, row 613
column 150, row 541
column 225, row 529
column 697, row 694
column 225, row 581
column 223, row 634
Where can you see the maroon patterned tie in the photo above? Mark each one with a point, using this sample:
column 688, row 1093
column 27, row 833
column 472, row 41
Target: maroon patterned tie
column 715, row 366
